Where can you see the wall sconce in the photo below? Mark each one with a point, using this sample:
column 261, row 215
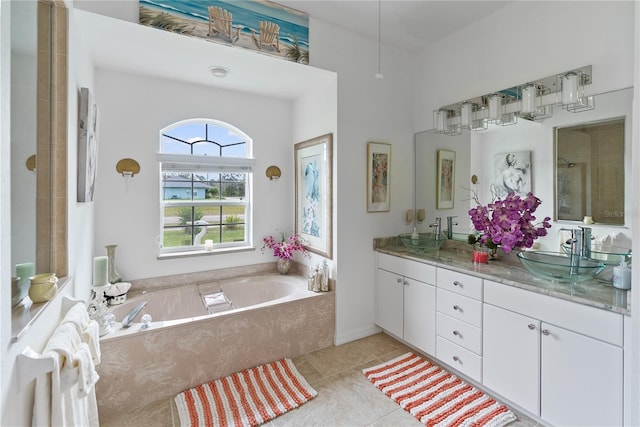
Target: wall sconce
column 273, row 172
column 127, row 167
column 31, row 163
column 573, row 98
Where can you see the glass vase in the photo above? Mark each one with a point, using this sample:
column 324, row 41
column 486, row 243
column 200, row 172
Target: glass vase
column 283, row 265
column 113, row 276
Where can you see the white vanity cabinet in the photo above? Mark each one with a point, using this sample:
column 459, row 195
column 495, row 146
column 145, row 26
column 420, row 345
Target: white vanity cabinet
column 557, row 359
column 459, row 322
column 406, row 301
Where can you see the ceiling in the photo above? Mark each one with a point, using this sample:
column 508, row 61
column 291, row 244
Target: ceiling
column 411, row 24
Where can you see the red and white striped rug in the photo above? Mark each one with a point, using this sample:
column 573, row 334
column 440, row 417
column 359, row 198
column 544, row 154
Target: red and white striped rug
column 248, row 398
column 434, row 396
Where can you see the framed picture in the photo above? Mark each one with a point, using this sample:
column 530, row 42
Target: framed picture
column 314, row 197
column 378, row 174
column 446, row 179
column 87, row 146
column 512, row 173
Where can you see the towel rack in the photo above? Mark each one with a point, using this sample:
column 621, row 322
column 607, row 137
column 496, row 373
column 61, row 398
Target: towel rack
column 31, row 364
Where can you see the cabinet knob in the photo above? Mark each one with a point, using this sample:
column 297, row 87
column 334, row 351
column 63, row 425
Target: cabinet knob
column 456, row 333
column 457, row 307
column 546, row 332
column 531, row 326
column 399, row 280
column 406, row 283
column 456, row 283
column 456, row 359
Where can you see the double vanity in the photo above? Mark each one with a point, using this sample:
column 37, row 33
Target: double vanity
column 556, row 350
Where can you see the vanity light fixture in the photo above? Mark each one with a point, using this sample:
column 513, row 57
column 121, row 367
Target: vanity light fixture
column 128, row 167
column 532, row 101
column 219, row 71
column 273, row 172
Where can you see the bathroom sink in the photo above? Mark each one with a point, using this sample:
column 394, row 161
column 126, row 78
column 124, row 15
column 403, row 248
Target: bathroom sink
column 557, row 267
column 609, row 256
column 424, row 243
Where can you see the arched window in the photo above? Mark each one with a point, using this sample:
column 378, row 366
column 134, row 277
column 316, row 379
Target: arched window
column 205, row 186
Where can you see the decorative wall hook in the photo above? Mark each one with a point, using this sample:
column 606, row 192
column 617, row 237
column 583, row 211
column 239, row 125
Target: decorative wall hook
column 128, row 167
column 273, row 172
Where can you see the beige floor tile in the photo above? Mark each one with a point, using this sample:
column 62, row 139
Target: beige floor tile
column 329, row 408
column 345, row 397
column 397, row 418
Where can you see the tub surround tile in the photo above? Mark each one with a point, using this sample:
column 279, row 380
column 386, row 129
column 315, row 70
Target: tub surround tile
column 142, row 368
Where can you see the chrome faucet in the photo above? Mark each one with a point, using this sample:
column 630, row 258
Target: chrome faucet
column 575, row 245
column 438, row 227
column 450, row 225
column 585, row 242
column 128, row 319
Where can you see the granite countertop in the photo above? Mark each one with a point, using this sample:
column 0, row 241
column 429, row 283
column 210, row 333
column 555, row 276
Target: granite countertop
column 456, row 256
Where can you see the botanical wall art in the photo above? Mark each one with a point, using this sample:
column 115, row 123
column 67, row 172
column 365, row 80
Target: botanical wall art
column 313, row 189
column 378, row 174
column 512, row 173
column 446, row 179
column 258, row 25
column 87, row 146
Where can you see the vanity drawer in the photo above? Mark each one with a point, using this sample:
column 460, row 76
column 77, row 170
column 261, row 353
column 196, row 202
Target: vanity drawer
column 460, row 283
column 459, row 307
column 461, row 359
column 413, row 269
column 461, row 333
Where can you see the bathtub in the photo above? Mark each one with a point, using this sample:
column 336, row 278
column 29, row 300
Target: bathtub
column 270, row 316
column 187, row 303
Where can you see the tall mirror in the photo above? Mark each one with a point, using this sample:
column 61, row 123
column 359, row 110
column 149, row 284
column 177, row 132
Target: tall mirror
column 38, row 149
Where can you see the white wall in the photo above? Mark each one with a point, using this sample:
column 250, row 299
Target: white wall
column 127, row 209
column 368, row 110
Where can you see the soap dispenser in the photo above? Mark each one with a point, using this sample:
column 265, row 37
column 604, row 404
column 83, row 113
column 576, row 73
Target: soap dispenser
column 622, row 275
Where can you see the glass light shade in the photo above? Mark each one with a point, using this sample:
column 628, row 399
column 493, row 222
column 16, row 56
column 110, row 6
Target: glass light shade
column 570, row 85
column 439, row 117
column 529, row 94
column 495, row 108
column 465, row 115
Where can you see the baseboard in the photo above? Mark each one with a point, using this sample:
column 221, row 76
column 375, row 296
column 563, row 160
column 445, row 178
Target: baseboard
column 355, row 334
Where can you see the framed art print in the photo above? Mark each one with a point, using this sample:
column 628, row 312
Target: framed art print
column 445, row 179
column 314, row 197
column 378, row 173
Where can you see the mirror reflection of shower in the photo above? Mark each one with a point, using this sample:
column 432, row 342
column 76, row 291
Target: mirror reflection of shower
column 566, row 162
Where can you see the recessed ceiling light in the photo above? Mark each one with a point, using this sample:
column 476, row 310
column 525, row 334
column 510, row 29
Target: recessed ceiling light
column 220, row 72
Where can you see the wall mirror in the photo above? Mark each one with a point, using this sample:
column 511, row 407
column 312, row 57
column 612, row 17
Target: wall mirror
column 38, row 144
column 590, row 172
column 610, row 117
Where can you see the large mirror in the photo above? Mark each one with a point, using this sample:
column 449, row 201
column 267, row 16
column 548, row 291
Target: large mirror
column 38, row 148
column 477, row 154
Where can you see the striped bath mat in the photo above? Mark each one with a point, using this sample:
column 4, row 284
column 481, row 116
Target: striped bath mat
column 434, row 396
column 247, row 398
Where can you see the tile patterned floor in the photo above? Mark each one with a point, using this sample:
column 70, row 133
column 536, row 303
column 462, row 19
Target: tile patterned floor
column 345, row 396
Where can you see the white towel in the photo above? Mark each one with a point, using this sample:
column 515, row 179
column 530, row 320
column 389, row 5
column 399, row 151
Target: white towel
column 91, row 336
column 88, row 329
column 77, row 315
column 59, row 400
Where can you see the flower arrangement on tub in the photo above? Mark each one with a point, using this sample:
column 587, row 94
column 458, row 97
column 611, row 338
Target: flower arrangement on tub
column 507, row 223
column 284, row 249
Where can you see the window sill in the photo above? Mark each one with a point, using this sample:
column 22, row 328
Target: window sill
column 189, row 254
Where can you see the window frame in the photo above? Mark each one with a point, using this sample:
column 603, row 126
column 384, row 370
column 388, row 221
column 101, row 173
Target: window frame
column 199, row 164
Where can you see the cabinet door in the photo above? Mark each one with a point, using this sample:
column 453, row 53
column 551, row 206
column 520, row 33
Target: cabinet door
column 511, row 353
column 581, row 379
column 389, row 302
column 420, row 315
